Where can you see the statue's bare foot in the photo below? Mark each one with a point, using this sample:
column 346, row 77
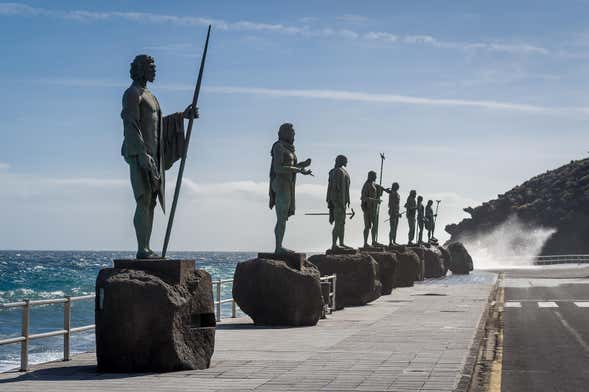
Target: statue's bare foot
column 147, row 254
column 282, row 250
column 336, row 247
column 345, row 246
column 376, row 244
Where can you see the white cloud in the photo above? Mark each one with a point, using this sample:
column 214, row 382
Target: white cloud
column 4, row 166
column 15, row 9
column 343, row 95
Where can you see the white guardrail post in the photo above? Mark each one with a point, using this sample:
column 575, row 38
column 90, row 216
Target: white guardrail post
column 334, row 283
column 67, row 327
column 219, row 300
column 24, row 345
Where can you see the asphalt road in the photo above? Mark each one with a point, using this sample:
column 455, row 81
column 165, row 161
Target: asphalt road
column 546, row 330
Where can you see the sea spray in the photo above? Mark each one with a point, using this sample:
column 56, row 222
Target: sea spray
column 509, row 245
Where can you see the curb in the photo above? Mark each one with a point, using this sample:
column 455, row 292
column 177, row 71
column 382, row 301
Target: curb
column 471, row 359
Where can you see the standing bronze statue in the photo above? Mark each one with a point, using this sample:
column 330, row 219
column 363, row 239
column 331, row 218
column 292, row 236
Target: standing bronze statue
column 430, row 221
column 152, row 143
column 338, row 199
column 394, row 213
column 420, row 218
column 371, row 193
column 411, row 209
column 283, row 171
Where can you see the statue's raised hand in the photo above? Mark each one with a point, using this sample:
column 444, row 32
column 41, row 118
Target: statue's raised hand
column 190, row 112
column 306, row 172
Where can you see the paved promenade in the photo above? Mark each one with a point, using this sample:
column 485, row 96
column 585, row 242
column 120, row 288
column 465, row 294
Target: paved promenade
column 416, row 339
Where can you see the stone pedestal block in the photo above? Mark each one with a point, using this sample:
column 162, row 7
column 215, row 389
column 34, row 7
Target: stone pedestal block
column 408, row 268
column 272, row 292
column 293, row 260
column 387, row 268
column 433, row 263
column 154, row 317
column 341, row 251
column 460, row 259
column 357, row 277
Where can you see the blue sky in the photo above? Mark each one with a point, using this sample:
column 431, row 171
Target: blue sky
column 466, row 99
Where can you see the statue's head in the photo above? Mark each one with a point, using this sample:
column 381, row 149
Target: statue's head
column 371, row 175
column 395, row 186
column 413, row 193
column 341, row 160
column 143, row 68
column 429, row 203
column 419, row 199
column 286, row 132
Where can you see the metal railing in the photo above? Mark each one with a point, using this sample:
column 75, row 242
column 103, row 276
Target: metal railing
column 217, row 284
column 25, row 337
column 67, row 330
column 546, row 260
column 331, row 280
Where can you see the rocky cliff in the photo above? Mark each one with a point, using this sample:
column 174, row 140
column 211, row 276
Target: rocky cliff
column 557, row 199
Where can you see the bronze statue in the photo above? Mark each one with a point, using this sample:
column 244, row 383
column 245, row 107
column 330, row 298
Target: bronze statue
column 152, row 143
column 283, row 171
column 394, row 213
column 411, row 209
column 430, row 221
column 420, row 218
column 338, row 199
column 371, row 193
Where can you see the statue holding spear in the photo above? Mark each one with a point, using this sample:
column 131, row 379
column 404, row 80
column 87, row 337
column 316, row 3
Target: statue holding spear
column 152, row 144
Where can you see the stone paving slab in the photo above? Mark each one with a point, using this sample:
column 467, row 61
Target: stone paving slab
column 416, row 339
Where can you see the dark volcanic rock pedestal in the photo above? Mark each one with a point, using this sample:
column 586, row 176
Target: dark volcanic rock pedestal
column 154, row 315
column 460, row 259
column 387, row 268
column 433, row 263
column 357, row 277
column 279, row 290
column 409, row 266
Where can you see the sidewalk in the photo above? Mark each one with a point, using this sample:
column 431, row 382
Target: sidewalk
column 416, row 339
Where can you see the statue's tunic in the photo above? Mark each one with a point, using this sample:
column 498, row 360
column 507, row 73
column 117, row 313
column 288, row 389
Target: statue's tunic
column 283, row 178
column 338, row 192
column 429, row 218
column 147, row 131
column 420, row 214
column 370, row 196
column 411, row 207
column 394, row 201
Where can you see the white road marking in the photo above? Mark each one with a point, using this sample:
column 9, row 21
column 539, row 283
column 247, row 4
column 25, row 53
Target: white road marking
column 549, row 304
column 572, row 331
column 582, row 304
column 513, row 304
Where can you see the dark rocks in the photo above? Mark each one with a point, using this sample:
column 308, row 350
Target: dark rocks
column 460, row 260
column 420, row 252
column 357, row 277
column 433, row 263
column 147, row 323
column 273, row 293
column 409, row 266
column 557, row 199
column 387, row 267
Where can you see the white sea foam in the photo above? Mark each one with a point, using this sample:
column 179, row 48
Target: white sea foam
column 512, row 244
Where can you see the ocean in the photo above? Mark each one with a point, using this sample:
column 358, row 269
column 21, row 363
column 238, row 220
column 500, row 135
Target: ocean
column 55, row 274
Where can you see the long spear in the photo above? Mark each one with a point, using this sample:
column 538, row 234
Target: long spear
column 382, row 158
column 188, row 133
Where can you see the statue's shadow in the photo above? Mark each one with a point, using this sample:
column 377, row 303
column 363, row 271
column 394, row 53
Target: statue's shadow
column 66, row 373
